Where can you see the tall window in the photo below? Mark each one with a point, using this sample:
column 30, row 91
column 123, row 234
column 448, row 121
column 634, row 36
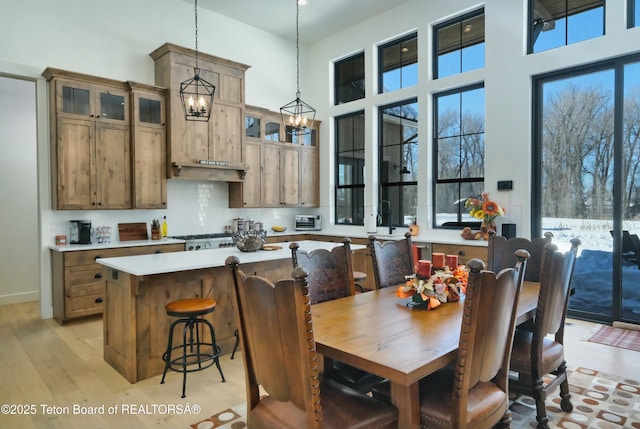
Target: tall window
column 398, row 168
column 554, row 23
column 350, row 169
column 398, row 64
column 349, row 79
column 458, row 162
column 633, row 13
column 459, row 45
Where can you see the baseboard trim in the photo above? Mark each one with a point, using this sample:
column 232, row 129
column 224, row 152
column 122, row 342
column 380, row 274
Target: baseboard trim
column 624, row 325
column 17, row 298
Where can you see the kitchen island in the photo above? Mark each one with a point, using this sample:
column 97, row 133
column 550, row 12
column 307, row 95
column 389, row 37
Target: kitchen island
column 135, row 322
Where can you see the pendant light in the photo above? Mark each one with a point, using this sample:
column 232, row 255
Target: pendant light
column 297, row 116
column 196, row 93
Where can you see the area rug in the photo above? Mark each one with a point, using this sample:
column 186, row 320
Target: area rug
column 600, row 400
column 618, row 337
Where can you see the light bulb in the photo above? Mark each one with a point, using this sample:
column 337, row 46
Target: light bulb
column 191, row 102
column 203, row 105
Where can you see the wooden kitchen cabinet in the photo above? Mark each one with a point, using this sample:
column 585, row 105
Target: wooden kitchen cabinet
column 149, row 151
column 309, row 177
column 90, row 135
column 221, row 139
column 77, row 279
column 465, row 253
column 289, row 170
column 281, row 175
column 249, row 192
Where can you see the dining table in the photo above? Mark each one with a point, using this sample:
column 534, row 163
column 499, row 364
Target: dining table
column 378, row 332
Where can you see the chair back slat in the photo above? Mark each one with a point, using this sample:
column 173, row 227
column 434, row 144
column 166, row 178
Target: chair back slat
column 275, row 329
column 391, row 260
column 555, row 288
column 486, row 336
column 330, row 271
column 489, row 319
column 501, row 253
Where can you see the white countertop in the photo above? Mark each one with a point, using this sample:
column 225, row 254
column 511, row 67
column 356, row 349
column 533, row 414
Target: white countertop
column 113, row 245
column 160, row 263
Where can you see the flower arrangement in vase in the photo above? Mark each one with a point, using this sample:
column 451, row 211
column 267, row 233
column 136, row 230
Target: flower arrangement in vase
column 486, row 210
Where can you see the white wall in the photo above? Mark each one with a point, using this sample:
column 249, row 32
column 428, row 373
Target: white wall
column 19, row 279
column 113, row 39
column 507, row 76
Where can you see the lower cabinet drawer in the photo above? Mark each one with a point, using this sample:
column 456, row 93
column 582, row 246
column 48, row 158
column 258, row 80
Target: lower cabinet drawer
column 83, row 305
column 96, row 288
column 83, row 275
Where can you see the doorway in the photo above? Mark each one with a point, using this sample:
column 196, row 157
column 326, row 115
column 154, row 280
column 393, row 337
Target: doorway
column 19, row 263
column 587, row 182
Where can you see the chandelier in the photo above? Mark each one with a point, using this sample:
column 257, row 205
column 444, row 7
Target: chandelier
column 196, row 93
column 297, row 115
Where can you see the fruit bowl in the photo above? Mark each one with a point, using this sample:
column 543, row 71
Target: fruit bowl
column 277, row 228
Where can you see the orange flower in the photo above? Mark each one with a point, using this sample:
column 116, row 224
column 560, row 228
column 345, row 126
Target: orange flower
column 490, row 208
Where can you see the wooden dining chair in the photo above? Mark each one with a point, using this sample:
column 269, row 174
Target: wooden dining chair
column 330, row 271
column 331, row 277
column 537, row 363
column 392, row 260
column 276, row 332
column 501, row 253
column 473, row 392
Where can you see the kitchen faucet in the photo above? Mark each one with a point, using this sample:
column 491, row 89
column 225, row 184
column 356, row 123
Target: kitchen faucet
column 391, row 228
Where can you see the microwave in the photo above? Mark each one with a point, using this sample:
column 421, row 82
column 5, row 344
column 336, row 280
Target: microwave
column 308, row 223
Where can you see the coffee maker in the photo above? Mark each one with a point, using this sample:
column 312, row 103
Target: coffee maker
column 80, row 232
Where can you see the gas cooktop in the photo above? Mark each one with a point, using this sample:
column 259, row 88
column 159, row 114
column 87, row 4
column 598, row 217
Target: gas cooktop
column 201, row 236
column 206, row 241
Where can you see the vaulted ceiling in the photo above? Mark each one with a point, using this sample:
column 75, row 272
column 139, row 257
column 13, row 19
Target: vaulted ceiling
column 318, row 18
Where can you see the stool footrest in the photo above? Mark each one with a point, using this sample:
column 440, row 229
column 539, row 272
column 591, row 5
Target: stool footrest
column 184, row 361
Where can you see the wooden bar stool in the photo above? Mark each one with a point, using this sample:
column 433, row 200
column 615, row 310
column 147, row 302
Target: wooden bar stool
column 358, row 279
column 196, row 353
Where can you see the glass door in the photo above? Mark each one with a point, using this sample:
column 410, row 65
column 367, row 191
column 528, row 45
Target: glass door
column 588, row 171
column 630, row 183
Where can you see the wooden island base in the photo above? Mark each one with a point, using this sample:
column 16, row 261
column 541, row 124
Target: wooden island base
column 136, row 325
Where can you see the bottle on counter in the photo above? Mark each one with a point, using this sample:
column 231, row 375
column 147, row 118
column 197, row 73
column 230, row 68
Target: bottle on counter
column 164, row 228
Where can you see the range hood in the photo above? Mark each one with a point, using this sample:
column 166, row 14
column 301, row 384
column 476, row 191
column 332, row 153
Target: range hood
column 208, row 170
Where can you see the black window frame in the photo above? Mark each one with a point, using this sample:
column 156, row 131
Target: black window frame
column 631, row 14
column 457, row 20
column 460, row 207
column 532, row 22
column 352, row 83
column 382, row 47
column 398, row 212
column 360, row 186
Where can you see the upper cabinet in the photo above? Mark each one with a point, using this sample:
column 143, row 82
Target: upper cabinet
column 149, row 153
column 90, row 135
column 92, row 126
column 284, row 170
column 212, row 150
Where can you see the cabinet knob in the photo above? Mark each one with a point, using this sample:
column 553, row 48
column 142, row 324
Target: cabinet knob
column 98, row 276
column 158, row 251
column 98, row 300
column 461, row 253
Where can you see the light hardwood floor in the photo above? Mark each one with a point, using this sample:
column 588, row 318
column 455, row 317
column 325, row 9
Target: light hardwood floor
column 43, row 363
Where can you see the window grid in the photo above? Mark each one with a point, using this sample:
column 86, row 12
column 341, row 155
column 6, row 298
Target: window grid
column 458, row 153
column 350, row 163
